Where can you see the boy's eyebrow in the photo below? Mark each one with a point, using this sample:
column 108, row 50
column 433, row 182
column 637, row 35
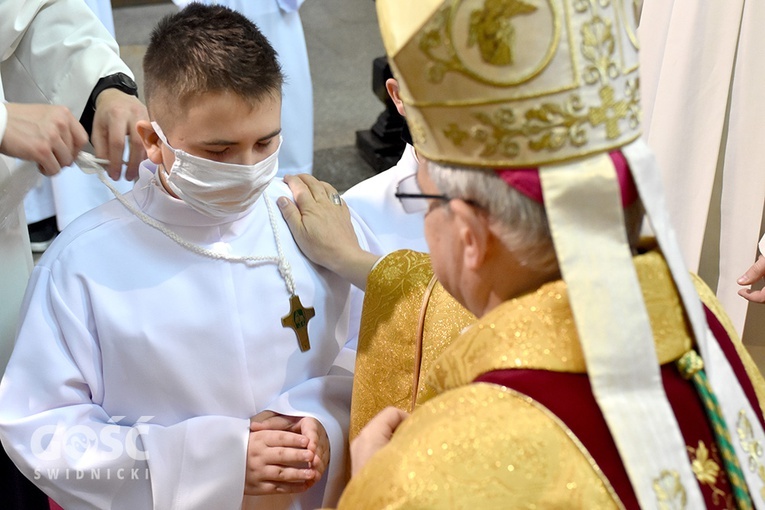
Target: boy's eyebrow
column 271, row 135
column 229, row 142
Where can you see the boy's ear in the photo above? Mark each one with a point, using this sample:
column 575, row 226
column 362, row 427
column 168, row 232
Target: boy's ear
column 150, row 141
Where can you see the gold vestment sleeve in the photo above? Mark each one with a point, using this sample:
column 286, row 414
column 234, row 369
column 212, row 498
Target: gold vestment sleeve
column 386, row 358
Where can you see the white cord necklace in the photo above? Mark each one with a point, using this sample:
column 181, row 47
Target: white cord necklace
column 298, row 316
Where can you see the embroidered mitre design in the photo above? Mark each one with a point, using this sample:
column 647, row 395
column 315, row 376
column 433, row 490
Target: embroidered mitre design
column 515, row 83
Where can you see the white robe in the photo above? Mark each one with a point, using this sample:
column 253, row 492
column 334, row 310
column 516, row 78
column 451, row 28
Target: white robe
column 279, row 21
column 71, row 192
column 701, row 76
column 384, row 224
column 387, row 226
column 121, row 323
column 51, row 51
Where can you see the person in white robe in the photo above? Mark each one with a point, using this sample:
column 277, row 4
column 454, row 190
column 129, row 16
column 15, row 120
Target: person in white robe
column 156, row 332
column 123, row 324
column 374, row 203
column 53, row 52
column 279, row 20
column 45, row 60
column 702, row 67
column 754, row 276
column 72, row 192
column 387, row 225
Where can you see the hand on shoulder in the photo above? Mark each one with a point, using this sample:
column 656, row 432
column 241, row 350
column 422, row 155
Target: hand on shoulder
column 320, row 222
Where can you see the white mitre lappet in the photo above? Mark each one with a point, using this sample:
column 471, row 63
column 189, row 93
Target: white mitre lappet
column 553, row 84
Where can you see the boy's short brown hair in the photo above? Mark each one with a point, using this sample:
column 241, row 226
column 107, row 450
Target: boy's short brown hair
column 209, row 49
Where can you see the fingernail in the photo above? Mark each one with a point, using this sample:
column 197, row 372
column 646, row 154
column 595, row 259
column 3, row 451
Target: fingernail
column 282, row 202
column 740, row 280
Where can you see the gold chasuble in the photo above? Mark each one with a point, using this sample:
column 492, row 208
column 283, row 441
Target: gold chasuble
column 505, row 415
column 408, row 321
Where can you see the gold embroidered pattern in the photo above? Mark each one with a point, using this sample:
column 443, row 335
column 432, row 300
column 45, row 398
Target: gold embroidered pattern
column 434, row 37
column 707, row 470
column 453, row 452
column 492, row 29
column 670, row 493
column 751, row 446
column 392, row 303
column 598, row 46
column 536, row 331
column 551, row 126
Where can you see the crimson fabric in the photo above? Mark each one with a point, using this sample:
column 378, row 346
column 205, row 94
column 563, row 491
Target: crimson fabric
column 570, row 398
column 526, row 180
column 735, row 361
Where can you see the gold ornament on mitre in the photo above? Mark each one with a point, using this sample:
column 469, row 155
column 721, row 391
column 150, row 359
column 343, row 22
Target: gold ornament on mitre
column 515, row 83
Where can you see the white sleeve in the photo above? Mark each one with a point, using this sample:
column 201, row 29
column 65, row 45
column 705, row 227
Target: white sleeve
column 61, row 438
column 55, row 51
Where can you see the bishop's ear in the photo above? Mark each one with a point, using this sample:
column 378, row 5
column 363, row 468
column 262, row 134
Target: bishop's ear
column 150, row 141
column 474, row 233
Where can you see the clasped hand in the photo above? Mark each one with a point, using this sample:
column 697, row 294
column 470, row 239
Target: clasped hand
column 285, row 454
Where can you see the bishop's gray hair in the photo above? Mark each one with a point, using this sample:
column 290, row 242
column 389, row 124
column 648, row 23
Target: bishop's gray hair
column 522, row 222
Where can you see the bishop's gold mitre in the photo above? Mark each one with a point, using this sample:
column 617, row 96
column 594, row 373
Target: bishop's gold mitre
column 515, row 83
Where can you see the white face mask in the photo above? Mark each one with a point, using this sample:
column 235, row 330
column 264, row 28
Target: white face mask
column 218, row 189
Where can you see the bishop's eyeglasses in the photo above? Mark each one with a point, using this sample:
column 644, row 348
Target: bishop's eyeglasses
column 413, row 200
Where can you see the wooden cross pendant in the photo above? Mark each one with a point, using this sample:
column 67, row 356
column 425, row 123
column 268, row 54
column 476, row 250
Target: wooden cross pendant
column 298, row 319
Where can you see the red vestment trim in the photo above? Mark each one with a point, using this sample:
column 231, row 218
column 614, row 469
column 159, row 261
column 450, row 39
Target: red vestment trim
column 569, row 397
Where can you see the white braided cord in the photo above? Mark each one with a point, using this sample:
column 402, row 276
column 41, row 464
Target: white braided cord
column 90, row 164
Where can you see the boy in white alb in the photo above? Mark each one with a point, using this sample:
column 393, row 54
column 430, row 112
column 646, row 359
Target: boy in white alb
column 176, row 349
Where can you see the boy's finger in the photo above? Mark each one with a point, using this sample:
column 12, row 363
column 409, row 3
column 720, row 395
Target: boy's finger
column 267, row 487
column 279, row 438
column 289, row 475
column 287, row 457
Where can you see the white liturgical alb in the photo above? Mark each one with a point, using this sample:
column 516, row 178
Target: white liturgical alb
column 139, row 363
